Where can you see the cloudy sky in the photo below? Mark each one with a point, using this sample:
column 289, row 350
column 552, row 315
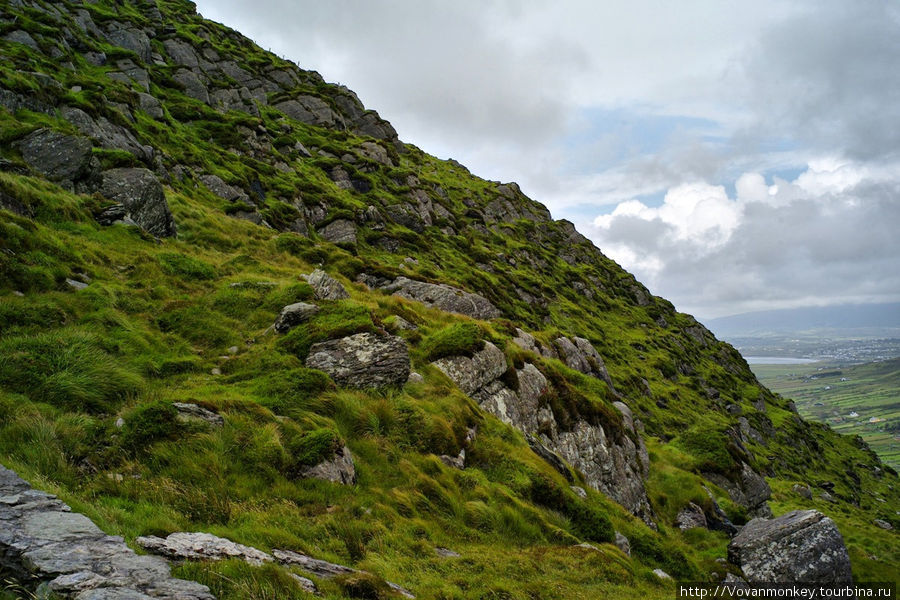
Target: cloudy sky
column 733, row 155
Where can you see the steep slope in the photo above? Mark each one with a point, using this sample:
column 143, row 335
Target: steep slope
column 169, row 191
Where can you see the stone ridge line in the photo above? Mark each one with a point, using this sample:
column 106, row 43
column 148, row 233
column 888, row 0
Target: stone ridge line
column 43, row 544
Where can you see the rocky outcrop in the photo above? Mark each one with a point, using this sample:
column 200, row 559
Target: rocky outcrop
column 340, row 231
column 141, row 194
column 337, row 469
column 325, row 286
column 801, row 546
column 613, row 464
column 443, row 297
column 43, row 543
column 579, row 354
column 749, row 489
column 57, row 156
column 364, row 360
column 293, row 315
column 325, row 569
column 201, row 546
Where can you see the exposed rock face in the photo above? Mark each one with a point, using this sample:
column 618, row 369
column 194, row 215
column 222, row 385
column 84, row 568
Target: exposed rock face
column 230, row 193
column 107, row 134
column 623, row 544
column 293, row 315
column 615, row 466
column 579, row 354
column 341, row 231
column 364, row 360
column 338, row 469
column 749, row 490
column 800, row 546
column 201, row 546
column 443, row 297
column 41, row 541
column 57, row 156
column 325, row 286
column 526, row 341
column 140, row 192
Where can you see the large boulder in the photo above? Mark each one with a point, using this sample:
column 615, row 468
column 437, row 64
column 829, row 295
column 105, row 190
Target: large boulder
column 749, row 489
column 802, row 546
column 141, row 193
column 364, row 360
column 57, row 156
column 579, row 354
column 341, row 231
column 444, row 297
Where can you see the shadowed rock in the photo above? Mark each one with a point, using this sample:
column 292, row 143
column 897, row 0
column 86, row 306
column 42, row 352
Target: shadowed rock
column 800, row 546
column 57, row 156
column 293, row 315
column 141, row 193
column 337, row 469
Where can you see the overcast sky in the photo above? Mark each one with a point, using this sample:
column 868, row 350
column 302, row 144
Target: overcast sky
column 733, row 155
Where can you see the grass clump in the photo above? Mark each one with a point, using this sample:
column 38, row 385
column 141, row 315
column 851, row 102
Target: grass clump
column 458, row 339
column 181, row 265
column 69, row 368
column 335, row 320
column 286, row 391
column 148, row 423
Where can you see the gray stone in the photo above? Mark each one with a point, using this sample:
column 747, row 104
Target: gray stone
column 75, row 284
column 623, row 544
column 690, row 516
column 107, row 134
column 473, row 373
column 364, row 360
column 201, row 546
column 402, row 324
column 883, row 524
column 325, row 569
column 800, row 546
column 446, row 553
column 579, row 354
column 661, row 574
column 181, row 53
column 150, row 105
column 340, row 231
column 579, row 491
column 312, row 111
column 415, row 378
column 226, row 192
column 444, row 297
column 803, row 490
column 19, row 36
column 132, row 39
column 188, row 412
column 57, row 156
column 750, row 490
column 40, row 540
column 293, row 315
column 337, row 469
column 142, row 195
column 305, row 584
column 376, row 152
column 192, row 85
column 325, row 286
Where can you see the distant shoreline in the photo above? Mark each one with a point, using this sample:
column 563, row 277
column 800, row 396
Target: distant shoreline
column 779, row 360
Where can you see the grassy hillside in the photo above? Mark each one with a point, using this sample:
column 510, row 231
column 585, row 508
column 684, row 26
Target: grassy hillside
column 100, row 323
column 831, row 393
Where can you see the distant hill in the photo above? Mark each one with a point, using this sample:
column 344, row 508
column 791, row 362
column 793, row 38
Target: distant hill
column 875, row 320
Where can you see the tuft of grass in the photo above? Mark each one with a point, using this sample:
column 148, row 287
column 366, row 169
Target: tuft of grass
column 188, row 267
column 454, row 340
column 69, row 368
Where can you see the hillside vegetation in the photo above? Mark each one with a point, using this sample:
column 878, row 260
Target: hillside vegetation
column 165, row 186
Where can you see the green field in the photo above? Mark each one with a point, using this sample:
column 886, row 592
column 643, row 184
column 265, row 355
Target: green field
column 857, row 399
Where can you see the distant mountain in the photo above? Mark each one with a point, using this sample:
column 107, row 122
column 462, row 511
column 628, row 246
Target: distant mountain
column 852, row 319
